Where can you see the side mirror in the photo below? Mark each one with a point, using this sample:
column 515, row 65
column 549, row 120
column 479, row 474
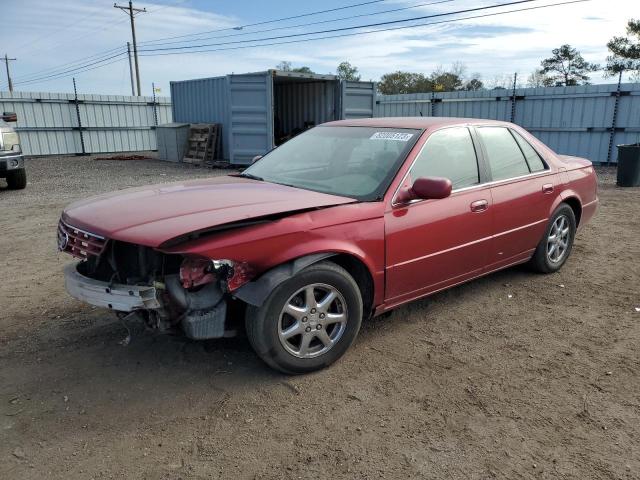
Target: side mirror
column 425, row 188
column 255, row 159
column 9, row 117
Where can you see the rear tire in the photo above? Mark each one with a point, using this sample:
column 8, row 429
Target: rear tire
column 556, row 243
column 17, row 179
column 308, row 321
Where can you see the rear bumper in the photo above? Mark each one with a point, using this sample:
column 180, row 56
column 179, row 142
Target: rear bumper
column 10, row 162
column 122, row 298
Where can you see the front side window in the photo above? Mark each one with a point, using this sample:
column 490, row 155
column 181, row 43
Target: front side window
column 505, row 157
column 354, row 162
column 448, row 153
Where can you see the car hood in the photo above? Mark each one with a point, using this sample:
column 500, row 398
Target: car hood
column 155, row 214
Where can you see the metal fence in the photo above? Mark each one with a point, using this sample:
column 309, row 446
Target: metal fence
column 61, row 123
column 587, row 121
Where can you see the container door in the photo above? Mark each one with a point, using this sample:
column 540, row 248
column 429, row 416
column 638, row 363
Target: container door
column 250, row 116
column 357, row 99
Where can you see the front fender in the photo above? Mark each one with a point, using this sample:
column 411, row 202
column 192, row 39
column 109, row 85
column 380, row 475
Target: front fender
column 257, row 291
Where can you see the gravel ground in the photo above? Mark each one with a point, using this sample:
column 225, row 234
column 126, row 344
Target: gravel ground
column 515, row 375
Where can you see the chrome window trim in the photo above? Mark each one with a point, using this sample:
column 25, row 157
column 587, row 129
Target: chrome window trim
column 546, row 171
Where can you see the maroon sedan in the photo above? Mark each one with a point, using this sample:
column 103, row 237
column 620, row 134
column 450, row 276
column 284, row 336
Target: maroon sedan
column 344, row 222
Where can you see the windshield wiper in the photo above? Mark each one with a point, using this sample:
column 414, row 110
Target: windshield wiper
column 251, row 176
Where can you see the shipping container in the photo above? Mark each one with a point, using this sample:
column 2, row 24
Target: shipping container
column 259, row 111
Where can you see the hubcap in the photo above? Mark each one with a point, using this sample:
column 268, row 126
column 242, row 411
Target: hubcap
column 558, row 240
column 312, row 320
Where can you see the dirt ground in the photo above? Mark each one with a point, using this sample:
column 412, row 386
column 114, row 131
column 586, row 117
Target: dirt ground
column 516, row 375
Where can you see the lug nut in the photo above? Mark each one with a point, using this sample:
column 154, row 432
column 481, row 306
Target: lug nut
column 322, row 315
column 308, row 329
column 313, row 310
column 318, row 327
column 304, row 319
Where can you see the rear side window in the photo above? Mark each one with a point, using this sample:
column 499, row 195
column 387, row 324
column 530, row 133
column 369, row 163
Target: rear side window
column 505, row 157
column 448, row 153
column 533, row 159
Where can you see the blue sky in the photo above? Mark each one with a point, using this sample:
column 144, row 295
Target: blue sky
column 47, row 37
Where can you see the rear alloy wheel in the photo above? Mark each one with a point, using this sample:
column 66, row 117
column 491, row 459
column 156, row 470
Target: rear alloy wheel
column 17, row 179
column 308, row 321
column 555, row 246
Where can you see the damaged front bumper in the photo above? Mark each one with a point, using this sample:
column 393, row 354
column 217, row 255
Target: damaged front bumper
column 122, row 298
column 203, row 311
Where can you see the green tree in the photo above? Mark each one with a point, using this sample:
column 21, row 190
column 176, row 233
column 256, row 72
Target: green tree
column 539, row 79
column 346, row 71
column 404, row 82
column 286, row 67
column 567, row 67
column 473, row 84
column 625, row 51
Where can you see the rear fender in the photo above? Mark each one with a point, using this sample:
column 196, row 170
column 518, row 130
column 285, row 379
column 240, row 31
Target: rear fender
column 257, row 291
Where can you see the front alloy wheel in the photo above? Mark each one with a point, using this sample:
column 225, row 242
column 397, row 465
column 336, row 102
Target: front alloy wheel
column 313, row 320
column 308, row 321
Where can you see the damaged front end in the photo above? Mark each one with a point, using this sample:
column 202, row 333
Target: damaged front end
column 170, row 293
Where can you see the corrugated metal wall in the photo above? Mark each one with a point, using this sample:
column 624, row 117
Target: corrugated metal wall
column 48, row 122
column 571, row 120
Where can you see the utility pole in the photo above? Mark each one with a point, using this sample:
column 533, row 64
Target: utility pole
column 6, row 61
column 131, row 12
column 133, row 92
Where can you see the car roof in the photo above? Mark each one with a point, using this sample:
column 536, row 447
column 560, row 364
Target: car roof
column 423, row 123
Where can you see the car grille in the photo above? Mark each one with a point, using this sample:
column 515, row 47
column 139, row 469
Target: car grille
column 79, row 243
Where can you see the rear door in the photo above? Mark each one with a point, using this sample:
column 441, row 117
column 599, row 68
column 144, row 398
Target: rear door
column 357, row 99
column 522, row 188
column 432, row 244
column 250, row 116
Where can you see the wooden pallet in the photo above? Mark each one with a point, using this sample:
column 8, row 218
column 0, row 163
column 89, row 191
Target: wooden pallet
column 205, row 143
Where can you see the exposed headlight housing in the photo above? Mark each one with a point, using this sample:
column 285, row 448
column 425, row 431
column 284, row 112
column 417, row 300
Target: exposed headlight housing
column 196, row 271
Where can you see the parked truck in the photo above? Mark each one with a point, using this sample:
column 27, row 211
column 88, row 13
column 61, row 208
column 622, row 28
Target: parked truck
column 11, row 158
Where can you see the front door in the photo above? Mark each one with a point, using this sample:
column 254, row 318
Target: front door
column 432, row 244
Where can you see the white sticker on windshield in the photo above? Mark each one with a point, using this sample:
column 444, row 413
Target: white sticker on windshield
column 398, row 136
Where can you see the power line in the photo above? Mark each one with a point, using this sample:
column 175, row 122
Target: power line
column 81, row 60
column 75, row 72
column 389, row 22
column 71, row 71
column 287, row 27
column 369, row 32
column 240, row 27
column 79, row 63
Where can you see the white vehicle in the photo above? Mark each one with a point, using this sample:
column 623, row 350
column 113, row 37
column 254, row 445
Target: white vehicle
column 11, row 159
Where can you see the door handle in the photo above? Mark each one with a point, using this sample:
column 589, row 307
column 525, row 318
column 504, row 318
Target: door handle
column 547, row 188
column 479, row 206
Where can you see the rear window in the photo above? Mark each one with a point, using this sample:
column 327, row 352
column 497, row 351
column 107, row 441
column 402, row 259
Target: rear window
column 533, row 159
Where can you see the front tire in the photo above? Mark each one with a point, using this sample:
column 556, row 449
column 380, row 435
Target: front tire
column 556, row 244
column 17, row 179
column 308, row 321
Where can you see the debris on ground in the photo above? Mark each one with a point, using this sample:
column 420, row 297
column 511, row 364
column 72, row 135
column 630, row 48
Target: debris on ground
column 18, row 452
column 125, row 157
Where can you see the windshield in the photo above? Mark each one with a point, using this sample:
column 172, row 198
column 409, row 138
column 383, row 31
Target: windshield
column 355, row 162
